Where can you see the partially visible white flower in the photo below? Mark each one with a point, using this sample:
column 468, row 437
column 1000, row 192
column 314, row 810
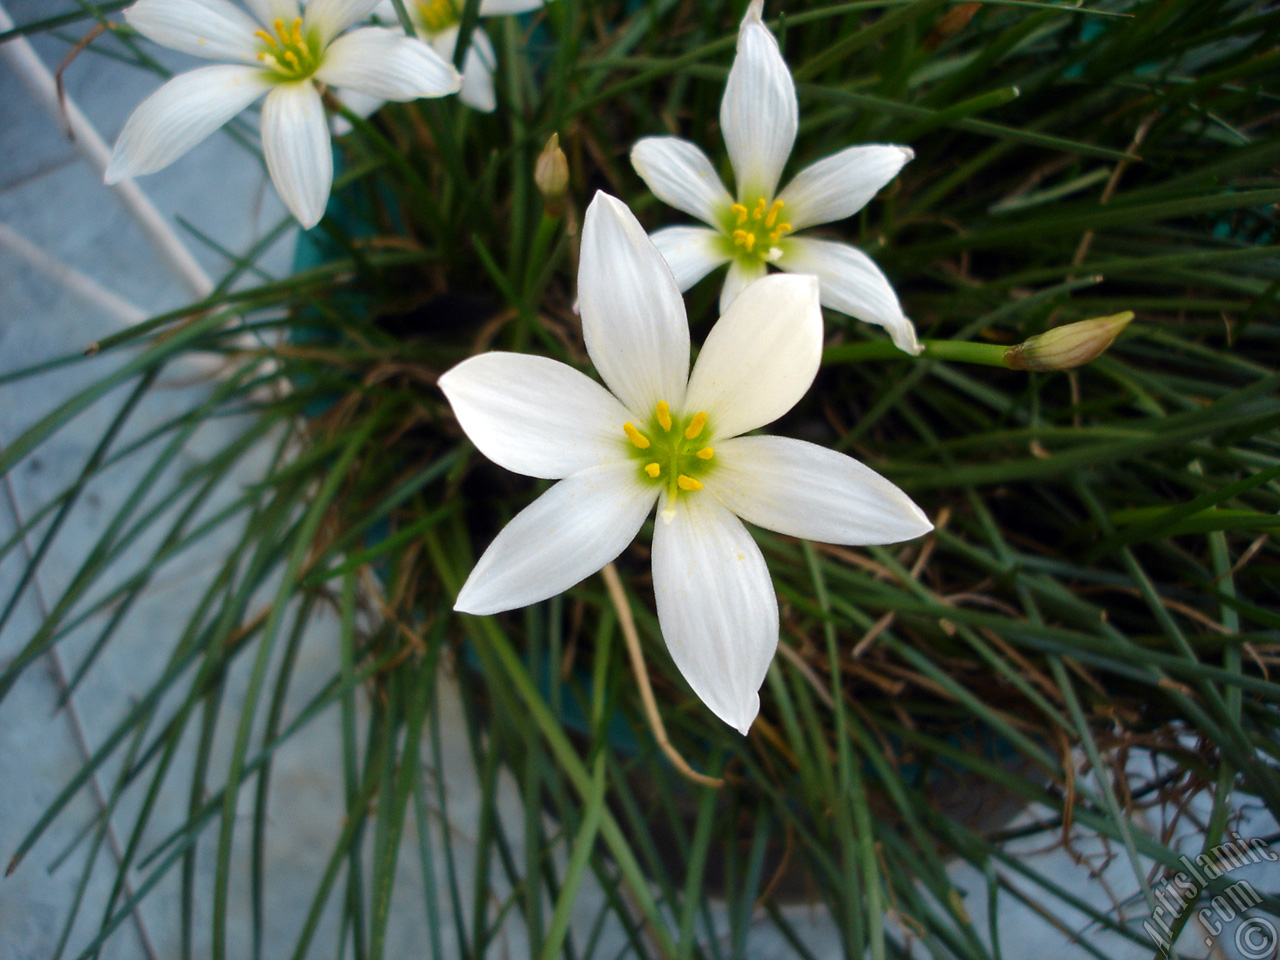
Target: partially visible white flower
column 661, row 435
column 437, row 22
column 283, row 53
column 758, row 117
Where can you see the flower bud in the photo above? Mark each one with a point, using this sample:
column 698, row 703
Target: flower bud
column 1068, row 346
column 551, row 174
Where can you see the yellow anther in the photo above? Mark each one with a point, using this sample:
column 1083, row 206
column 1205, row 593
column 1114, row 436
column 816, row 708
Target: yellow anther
column 758, row 213
column 653, row 469
column 664, row 415
column 687, row 483
column 744, row 238
column 635, row 436
column 706, row 453
column 783, row 230
column 695, row 425
column 287, row 50
column 741, row 213
column 773, row 213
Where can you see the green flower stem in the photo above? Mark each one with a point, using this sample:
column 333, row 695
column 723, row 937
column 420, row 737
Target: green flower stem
column 402, row 14
column 964, row 351
column 426, row 201
column 535, row 271
column 497, row 654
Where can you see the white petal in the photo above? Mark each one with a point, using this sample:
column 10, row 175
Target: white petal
column 496, row 8
column 214, row 29
column 564, row 536
column 295, row 140
column 269, row 11
column 852, row 284
column 329, row 18
column 690, row 252
column 477, row 66
column 443, row 42
column 716, row 606
column 477, row 74
column 760, row 357
column 740, row 276
column 362, row 105
column 633, row 318
column 180, row 114
column 758, row 114
column 384, row 63
column 680, row 174
column 840, row 185
column 804, row 490
column 534, row 415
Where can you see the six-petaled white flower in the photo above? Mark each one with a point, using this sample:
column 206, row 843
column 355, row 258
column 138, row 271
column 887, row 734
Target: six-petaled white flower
column 661, row 435
column 437, row 22
column 284, row 54
column 758, row 117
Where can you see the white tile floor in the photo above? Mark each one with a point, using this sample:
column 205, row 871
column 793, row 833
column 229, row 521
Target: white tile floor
column 51, row 197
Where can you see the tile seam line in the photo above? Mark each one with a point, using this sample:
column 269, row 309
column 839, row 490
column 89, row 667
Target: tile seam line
column 42, row 87
column 70, row 279
column 77, row 729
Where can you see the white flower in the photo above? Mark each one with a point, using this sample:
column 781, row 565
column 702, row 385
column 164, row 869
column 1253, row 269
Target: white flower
column 758, row 116
column 284, row 54
column 661, row 435
column 437, row 22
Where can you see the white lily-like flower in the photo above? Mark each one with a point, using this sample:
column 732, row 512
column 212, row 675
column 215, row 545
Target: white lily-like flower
column 758, row 117
column 437, row 22
column 660, row 435
column 284, row 53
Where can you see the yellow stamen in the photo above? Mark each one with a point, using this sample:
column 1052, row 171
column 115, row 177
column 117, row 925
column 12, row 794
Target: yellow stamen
column 438, row 15
column 635, row 436
column 653, row 469
column 287, row 50
column 687, row 483
column 695, row 425
column 664, row 415
column 762, row 228
column 706, row 453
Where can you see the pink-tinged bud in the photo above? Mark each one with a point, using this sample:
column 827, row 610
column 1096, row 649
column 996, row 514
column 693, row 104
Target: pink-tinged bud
column 551, row 174
column 1068, row 346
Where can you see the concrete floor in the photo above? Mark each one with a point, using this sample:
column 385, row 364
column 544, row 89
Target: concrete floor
column 53, row 199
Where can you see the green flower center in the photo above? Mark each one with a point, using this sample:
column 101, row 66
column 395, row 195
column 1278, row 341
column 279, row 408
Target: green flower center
column 290, row 53
column 755, row 232
column 438, row 15
column 673, row 451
